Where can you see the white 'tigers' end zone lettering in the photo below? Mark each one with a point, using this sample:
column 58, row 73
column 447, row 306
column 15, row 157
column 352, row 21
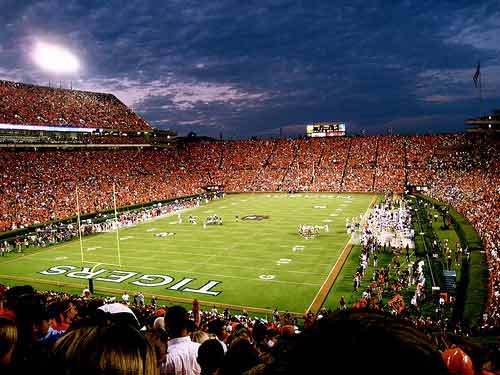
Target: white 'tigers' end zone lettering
column 85, row 273
column 115, row 276
column 165, row 280
column 118, row 276
column 205, row 289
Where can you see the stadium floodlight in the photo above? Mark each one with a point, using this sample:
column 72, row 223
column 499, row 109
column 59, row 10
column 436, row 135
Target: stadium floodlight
column 55, row 59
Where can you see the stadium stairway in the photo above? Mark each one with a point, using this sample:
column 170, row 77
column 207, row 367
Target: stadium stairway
column 375, row 167
column 345, row 165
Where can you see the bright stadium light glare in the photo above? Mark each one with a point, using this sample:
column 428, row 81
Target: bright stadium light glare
column 55, row 59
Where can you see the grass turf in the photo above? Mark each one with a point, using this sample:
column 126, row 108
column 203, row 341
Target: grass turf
column 234, row 256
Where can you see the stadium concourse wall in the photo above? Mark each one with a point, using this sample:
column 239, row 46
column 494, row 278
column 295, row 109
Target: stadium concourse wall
column 473, row 286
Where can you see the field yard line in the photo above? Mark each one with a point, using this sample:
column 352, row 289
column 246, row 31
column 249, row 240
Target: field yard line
column 214, row 275
column 257, row 251
column 209, row 258
column 320, row 297
column 215, row 264
column 280, row 254
column 149, row 295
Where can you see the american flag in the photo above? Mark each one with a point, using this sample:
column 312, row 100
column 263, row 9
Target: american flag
column 477, row 75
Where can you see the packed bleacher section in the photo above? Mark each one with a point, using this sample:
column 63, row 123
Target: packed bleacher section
column 41, row 186
column 390, row 162
column 59, row 333
column 24, row 104
column 360, row 167
column 332, row 160
column 302, row 167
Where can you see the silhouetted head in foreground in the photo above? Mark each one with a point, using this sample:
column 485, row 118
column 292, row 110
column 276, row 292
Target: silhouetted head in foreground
column 361, row 342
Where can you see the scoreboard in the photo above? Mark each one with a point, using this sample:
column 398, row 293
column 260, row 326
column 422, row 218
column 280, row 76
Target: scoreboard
column 326, row 129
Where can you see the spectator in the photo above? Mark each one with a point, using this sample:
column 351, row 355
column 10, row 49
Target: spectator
column 241, row 356
column 385, row 344
column 8, row 341
column 182, row 352
column 210, row 357
column 111, row 348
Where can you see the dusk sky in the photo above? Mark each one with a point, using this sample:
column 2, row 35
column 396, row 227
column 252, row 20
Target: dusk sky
column 247, row 68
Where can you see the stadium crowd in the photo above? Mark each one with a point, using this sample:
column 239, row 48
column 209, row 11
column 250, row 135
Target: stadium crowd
column 40, row 186
column 38, row 105
column 469, row 181
column 37, row 187
column 58, row 333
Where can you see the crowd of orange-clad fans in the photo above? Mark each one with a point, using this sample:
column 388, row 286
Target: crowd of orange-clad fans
column 38, row 105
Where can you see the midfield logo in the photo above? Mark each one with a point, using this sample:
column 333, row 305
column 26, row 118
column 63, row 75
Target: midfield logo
column 117, row 276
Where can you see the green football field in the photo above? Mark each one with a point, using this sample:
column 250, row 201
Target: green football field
column 246, row 263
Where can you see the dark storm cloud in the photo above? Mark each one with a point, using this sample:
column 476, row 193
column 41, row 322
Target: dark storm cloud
column 249, row 68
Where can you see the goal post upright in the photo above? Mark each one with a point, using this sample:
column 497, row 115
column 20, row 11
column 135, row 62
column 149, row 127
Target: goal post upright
column 79, row 222
column 117, row 226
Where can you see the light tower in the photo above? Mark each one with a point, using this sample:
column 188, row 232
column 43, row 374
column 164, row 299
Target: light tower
column 55, row 60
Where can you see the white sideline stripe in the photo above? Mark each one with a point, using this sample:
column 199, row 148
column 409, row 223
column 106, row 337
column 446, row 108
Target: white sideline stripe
column 340, row 255
column 328, row 277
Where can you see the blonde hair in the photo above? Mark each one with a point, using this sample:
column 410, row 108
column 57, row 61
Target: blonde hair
column 8, row 340
column 109, row 349
column 199, row 337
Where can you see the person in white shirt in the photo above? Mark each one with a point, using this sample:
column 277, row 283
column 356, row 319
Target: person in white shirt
column 182, row 352
column 125, row 298
column 218, row 328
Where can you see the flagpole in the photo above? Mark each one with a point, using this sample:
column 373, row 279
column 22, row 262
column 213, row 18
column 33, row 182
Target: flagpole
column 480, row 94
column 79, row 224
column 117, row 225
column 477, row 80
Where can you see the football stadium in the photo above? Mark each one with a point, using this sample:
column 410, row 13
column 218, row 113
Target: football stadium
column 127, row 248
